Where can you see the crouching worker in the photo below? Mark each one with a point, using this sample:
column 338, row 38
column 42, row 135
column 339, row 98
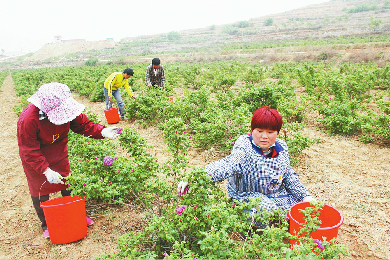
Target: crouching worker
column 155, row 74
column 42, row 132
column 259, row 166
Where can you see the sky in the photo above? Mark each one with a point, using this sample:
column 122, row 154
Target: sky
column 27, row 25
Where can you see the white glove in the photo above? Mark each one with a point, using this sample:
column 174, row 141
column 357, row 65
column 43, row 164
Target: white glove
column 53, row 177
column 110, row 132
column 181, row 187
column 309, row 199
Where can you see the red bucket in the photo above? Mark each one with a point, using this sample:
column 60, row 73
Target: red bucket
column 112, row 115
column 330, row 217
column 66, row 219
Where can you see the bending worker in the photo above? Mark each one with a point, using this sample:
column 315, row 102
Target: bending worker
column 42, row 132
column 111, row 88
column 155, row 74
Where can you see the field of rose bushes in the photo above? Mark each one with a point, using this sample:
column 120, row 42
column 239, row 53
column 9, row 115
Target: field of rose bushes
column 214, row 110
column 3, row 74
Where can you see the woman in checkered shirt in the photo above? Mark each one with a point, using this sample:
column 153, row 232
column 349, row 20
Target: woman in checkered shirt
column 259, row 166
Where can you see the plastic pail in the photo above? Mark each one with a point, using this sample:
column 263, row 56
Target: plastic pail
column 112, row 115
column 330, row 217
column 66, row 219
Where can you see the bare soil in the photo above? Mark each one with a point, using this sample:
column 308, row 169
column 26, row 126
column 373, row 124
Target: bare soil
column 339, row 171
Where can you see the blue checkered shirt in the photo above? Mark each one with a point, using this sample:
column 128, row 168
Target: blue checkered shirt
column 250, row 174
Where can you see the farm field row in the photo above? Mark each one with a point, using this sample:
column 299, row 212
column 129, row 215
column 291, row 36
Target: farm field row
column 212, row 105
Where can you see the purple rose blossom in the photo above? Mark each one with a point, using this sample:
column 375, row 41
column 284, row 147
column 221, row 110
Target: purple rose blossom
column 108, row 160
column 119, row 131
column 319, row 244
column 184, row 192
column 181, row 209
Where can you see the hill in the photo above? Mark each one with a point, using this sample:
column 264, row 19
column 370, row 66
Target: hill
column 299, row 34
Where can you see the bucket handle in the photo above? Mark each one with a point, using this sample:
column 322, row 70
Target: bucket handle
column 112, row 103
column 39, row 195
column 39, row 192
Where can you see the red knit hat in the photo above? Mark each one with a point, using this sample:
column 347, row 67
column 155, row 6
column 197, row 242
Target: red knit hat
column 266, row 118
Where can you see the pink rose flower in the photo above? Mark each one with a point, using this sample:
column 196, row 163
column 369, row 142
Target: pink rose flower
column 108, row 160
column 181, row 209
column 319, row 244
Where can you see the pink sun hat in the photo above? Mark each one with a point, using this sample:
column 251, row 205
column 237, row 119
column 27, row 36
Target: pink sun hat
column 55, row 100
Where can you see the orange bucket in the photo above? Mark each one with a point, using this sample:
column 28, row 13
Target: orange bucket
column 330, row 217
column 112, row 115
column 66, row 219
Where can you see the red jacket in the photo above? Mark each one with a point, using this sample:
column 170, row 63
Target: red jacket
column 43, row 144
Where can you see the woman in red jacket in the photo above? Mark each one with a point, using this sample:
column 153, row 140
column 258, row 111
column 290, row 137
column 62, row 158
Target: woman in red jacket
column 42, row 132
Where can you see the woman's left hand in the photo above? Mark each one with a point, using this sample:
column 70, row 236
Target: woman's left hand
column 110, row 132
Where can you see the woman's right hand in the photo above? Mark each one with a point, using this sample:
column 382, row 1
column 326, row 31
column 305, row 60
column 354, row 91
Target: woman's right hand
column 309, row 199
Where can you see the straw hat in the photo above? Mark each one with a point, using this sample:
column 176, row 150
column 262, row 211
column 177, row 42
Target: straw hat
column 55, row 100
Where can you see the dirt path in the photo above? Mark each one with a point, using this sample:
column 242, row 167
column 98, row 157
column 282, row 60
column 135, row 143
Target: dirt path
column 346, row 174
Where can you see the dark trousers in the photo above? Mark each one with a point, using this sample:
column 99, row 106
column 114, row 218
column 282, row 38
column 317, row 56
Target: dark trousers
column 37, row 201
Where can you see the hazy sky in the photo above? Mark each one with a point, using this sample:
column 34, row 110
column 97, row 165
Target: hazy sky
column 27, row 25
